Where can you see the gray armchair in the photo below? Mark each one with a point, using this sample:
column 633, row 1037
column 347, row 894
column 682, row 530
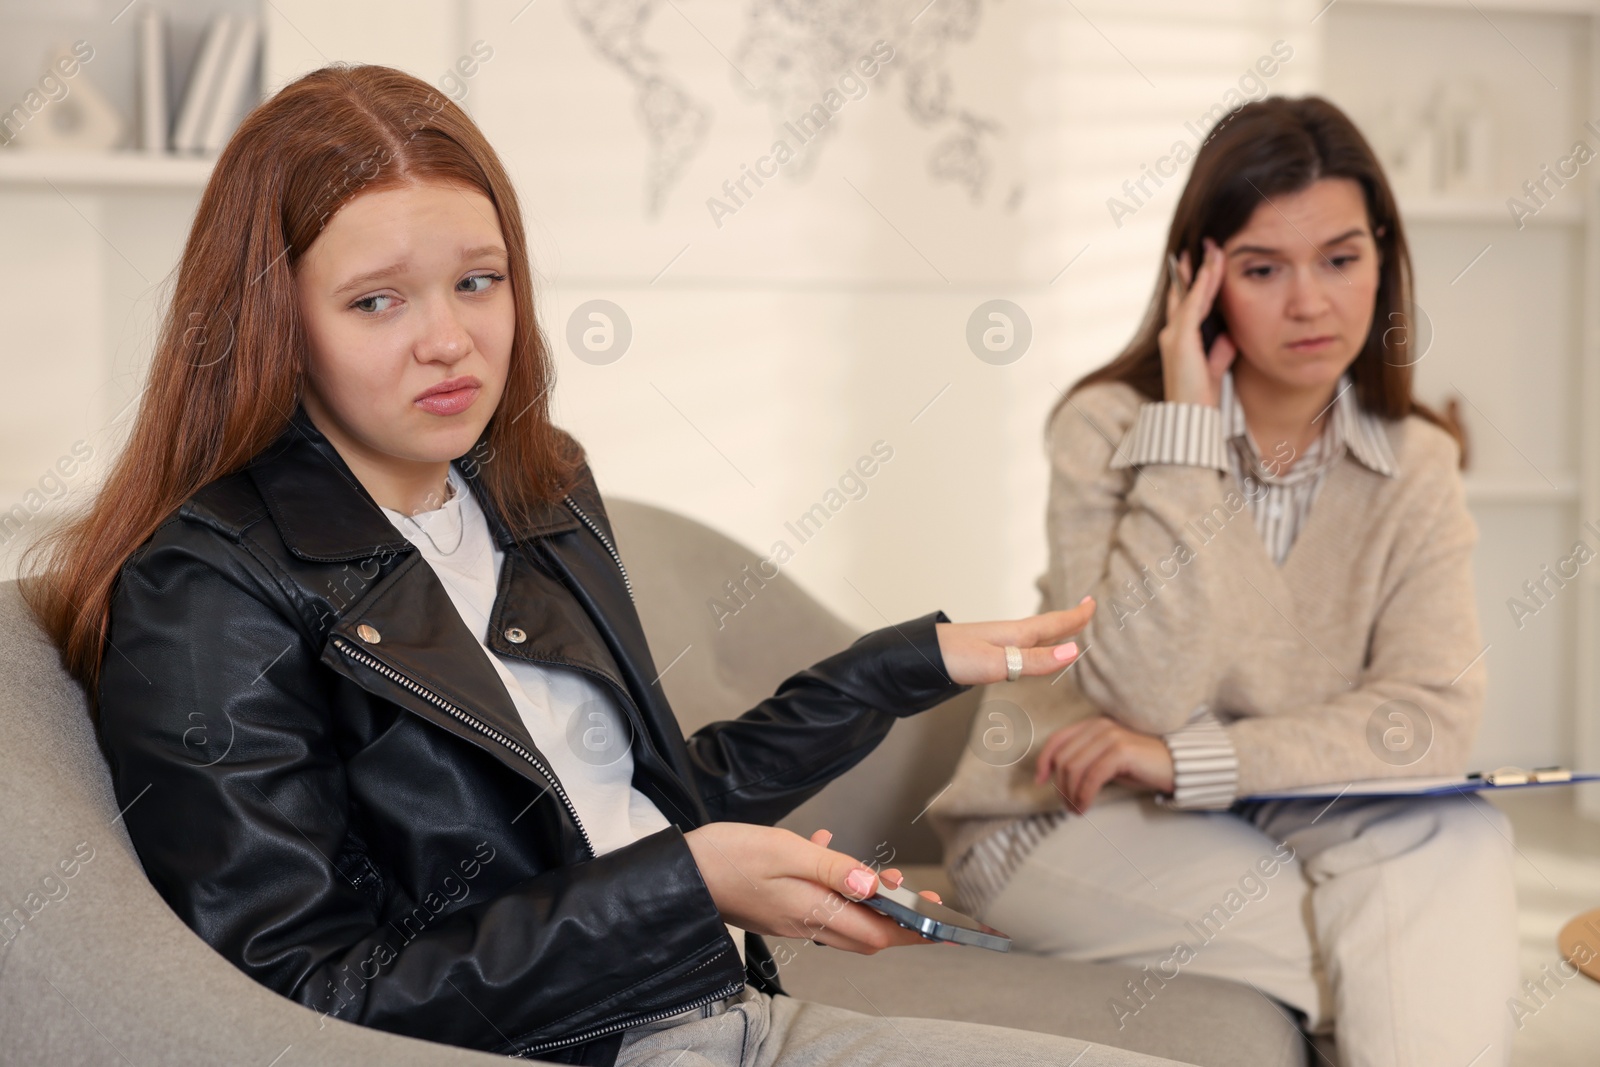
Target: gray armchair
column 678, row 566
column 95, row 969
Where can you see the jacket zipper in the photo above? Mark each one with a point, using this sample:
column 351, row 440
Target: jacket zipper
column 733, row 987
column 604, row 540
column 488, row 731
column 710, row 998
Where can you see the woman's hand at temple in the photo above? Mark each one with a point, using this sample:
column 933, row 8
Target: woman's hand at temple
column 773, row 881
column 1083, row 757
column 1190, row 374
column 974, row 652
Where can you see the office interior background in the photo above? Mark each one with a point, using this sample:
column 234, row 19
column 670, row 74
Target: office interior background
column 735, row 327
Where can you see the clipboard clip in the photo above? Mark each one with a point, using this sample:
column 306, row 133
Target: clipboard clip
column 1517, row 776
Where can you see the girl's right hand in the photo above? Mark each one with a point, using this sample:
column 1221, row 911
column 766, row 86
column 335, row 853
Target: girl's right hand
column 773, row 881
column 1192, row 375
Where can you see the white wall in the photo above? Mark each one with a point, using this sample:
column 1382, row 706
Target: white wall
column 827, row 313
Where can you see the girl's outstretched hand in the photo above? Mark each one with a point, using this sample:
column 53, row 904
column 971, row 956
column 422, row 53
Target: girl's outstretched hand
column 974, row 652
column 773, row 881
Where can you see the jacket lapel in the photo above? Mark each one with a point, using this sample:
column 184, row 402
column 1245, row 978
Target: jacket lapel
column 406, row 643
column 404, row 619
column 404, row 623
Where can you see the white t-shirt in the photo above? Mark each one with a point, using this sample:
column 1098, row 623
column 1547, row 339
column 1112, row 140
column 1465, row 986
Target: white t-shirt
column 571, row 717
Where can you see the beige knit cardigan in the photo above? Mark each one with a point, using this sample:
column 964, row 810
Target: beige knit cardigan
column 1359, row 658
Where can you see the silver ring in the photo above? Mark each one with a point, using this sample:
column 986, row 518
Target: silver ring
column 1013, row 663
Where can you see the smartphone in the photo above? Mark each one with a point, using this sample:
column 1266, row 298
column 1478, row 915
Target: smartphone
column 935, row 921
column 1213, row 324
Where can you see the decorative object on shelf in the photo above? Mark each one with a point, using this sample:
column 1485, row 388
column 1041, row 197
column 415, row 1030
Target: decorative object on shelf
column 1465, row 130
column 74, row 115
column 1440, row 143
column 1410, row 151
column 153, row 114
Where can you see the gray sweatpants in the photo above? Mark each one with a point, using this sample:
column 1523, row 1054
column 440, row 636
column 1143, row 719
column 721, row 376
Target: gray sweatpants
column 752, row 1029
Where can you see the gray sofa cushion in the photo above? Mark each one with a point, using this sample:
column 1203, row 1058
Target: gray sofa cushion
column 1193, row 1019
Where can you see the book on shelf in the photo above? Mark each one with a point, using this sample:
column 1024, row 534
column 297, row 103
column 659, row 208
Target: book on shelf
column 234, row 92
column 153, row 118
column 202, row 85
column 221, row 85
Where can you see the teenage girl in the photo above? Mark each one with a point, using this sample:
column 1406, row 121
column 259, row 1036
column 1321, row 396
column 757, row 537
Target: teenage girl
column 365, row 661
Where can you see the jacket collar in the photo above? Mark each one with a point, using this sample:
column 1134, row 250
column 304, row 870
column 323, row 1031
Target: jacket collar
column 574, row 616
column 326, row 515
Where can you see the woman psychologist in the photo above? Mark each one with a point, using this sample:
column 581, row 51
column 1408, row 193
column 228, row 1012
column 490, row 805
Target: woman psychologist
column 1278, row 539
column 351, row 613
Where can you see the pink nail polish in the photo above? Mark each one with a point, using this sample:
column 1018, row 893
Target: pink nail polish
column 859, row 881
column 1067, row 651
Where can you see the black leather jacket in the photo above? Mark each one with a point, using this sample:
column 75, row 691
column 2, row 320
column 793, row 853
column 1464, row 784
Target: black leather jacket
column 326, row 780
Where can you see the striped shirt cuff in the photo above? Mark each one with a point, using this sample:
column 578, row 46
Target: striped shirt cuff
column 1163, row 432
column 1205, row 767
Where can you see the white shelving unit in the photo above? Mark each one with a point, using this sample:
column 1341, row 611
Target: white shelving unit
column 100, row 232
column 1518, row 332
column 103, row 171
column 1484, row 210
column 94, row 235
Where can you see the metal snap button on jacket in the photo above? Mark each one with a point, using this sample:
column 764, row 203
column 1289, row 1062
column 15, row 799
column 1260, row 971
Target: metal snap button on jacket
column 368, row 633
column 516, row 635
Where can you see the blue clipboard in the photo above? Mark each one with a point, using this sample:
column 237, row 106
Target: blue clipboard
column 1413, row 787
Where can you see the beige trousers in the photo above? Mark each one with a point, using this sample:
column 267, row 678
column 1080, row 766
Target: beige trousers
column 1390, row 922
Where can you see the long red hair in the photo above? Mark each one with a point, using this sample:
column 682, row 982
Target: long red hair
column 230, row 359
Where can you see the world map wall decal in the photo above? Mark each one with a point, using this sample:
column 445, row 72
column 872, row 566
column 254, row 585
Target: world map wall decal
column 805, row 61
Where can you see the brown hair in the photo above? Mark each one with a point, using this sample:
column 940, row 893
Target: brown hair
column 230, row 359
column 1268, row 148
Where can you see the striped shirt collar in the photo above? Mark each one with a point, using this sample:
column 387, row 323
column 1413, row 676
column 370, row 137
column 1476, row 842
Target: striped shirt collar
column 1359, row 430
